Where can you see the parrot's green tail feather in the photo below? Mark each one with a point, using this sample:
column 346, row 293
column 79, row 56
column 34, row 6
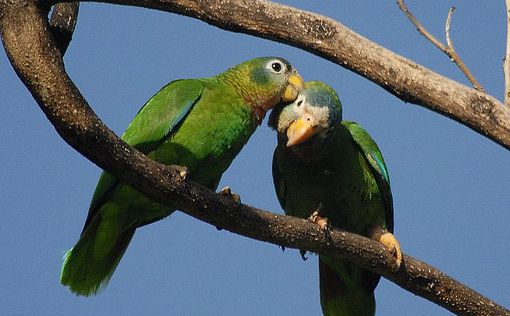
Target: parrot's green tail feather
column 344, row 295
column 87, row 270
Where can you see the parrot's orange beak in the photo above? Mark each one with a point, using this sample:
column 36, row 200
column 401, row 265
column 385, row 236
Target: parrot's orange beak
column 295, row 85
column 299, row 131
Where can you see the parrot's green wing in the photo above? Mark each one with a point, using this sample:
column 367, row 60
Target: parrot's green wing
column 375, row 160
column 162, row 113
column 154, row 123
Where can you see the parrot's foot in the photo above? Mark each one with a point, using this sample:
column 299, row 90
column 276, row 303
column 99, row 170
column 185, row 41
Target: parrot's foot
column 227, row 192
column 183, row 171
column 303, row 254
column 389, row 241
column 322, row 222
column 283, row 248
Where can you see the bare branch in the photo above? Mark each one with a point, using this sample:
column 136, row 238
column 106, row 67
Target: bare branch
column 447, row 25
column 62, row 24
column 331, row 40
column 455, row 57
column 506, row 63
column 448, row 50
column 23, row 26
column 420, row 28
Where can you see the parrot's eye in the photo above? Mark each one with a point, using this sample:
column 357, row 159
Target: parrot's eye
column 276, row 66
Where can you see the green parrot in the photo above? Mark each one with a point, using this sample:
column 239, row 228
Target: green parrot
column 200, row 124
column 336, row 169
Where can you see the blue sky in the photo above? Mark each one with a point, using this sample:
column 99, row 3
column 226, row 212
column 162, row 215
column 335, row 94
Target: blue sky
column 450, row 185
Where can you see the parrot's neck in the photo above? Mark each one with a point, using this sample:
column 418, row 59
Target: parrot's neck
column 258, row 99
column 317, row 148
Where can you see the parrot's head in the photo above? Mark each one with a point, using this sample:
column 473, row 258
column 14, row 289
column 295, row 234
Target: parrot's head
column 311, row 117
column 265, row 82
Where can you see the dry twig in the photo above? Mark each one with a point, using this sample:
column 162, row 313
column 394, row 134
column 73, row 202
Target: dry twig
column 448, row 48
column 506, row 63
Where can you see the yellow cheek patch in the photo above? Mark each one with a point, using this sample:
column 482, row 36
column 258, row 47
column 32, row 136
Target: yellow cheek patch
column 295, row 85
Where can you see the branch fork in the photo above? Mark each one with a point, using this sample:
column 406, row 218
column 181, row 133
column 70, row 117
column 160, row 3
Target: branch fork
column 448, row 49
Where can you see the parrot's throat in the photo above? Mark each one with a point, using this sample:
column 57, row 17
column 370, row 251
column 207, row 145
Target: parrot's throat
column 260, row 106
column 316, row 148
column 259, row 113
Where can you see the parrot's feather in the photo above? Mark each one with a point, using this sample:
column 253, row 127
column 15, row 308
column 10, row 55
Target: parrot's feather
column 375, row 160
column 341, row 298
column 279, row 181
column 89, row 265
column 157, row 119
column 155, row 122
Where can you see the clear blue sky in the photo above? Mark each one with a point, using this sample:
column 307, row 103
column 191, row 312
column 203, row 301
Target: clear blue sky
column 450, row 185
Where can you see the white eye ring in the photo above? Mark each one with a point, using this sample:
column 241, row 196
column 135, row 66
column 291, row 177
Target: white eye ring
column 276, row 66
column 300, row 101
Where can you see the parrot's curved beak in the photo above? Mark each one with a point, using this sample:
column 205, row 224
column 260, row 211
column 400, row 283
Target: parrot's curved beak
column 299, row 131
column 295, row 85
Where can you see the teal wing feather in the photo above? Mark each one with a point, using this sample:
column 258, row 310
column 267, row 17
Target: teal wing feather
column 376, row 162
column 154, row 123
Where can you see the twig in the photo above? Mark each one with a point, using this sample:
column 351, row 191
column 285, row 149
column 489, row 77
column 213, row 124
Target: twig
column 506, row 63
column 23, row 27
column 419, row 27
column 447, row 25
column 448, row 49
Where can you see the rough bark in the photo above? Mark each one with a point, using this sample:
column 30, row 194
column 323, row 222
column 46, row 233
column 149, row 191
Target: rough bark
column 24, row 28
column 62, row 24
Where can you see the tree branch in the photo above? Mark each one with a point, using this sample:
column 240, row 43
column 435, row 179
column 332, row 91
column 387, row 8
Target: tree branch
column 23, row 26
column 62, row 24
column 447, row 26
column 506, row 63
column 448, row 49
column 331, row 40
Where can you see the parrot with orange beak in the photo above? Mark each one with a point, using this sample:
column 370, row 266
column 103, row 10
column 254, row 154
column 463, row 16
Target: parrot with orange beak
column 334, row 168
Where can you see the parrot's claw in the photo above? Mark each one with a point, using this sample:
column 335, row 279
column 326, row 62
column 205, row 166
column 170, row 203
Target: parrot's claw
column 322, row 222
column 391, row 243
column 183, row 171
column 303, row 254
column 283, row 248
column 227, row 192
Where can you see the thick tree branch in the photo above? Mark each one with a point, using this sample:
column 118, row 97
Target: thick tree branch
column 331, row 40
column 448, row 49
column 23, row 27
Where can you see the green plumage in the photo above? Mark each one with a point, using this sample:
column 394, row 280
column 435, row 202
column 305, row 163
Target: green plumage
column 201, row 124
column 340, row 168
